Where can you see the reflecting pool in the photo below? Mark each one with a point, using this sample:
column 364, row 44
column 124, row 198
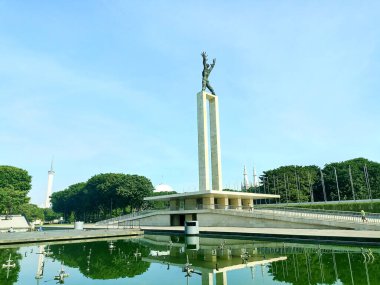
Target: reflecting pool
column 158, row 259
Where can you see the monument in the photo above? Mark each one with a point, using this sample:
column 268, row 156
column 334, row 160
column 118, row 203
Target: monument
column 49, row 187
column 204, row 135
column 210, row 205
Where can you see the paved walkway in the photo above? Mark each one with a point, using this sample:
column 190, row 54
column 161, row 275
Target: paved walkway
column 63, row 235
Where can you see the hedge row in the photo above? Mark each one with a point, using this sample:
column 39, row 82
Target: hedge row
column 369, row 207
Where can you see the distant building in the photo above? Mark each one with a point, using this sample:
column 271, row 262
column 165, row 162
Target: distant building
column 163, row 188
column 245, row 183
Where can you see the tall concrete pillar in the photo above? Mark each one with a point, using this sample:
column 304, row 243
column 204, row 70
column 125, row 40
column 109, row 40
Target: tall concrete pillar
column 203, row 139
column 216, row 165
column 203, row 156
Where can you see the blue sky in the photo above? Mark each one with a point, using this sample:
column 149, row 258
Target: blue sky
column 110, row 86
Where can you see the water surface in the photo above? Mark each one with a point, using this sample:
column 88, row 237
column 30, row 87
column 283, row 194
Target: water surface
column 158, row 259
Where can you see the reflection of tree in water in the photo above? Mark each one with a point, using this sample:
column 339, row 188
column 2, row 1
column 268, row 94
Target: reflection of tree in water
column 315, row 266
column 13, row 272
column 104, row 264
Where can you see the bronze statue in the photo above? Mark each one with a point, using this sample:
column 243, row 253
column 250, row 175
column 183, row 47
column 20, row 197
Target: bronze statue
column 206, row 72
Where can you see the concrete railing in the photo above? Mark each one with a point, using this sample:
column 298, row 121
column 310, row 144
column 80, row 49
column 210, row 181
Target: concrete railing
column 123, row 217
column 335, row 202
column 326, row 215
column 344, row 216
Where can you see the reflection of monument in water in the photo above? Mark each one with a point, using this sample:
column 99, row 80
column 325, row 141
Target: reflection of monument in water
column 41, row 263
column 212, row 261
column 209, row 257
column 292, row 263
column 42, row 253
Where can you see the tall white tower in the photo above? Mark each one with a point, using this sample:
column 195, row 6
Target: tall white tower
column 255, row 181
column 245, row 179
column 49, row 186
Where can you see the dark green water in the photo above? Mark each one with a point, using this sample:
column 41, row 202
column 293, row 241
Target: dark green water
column 157, row 259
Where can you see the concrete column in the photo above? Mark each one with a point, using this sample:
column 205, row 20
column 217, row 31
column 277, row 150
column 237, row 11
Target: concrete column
column 174, row 220
column 216, row 165
column 182, row 204
column 208, row 202
column 222, row 203
column 190, row 204
column 236, row 203
column 203, row 160
column 174, row 204
column 247, row 204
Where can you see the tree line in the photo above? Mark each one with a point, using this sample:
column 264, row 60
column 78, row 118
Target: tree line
column 112, row 194
column 102, row 196
column 355, row 179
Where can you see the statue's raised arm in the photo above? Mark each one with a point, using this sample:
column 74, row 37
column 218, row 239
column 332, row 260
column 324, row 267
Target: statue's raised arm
column 206, row 72
column 204, row 55
column 213, row 64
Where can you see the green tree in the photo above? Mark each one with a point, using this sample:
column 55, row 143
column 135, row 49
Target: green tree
column 72, row 199
column 32, row 212
column 359, row 183
column 15, row 184
column 293, row 183
column 304, row 183
column 102, row 192
column 111, row 191
column 71, row 218
column 16, row 177
column 50, row 215
column 102, row 196
column 135, row 190
column 11, row 200
column 161, row 204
